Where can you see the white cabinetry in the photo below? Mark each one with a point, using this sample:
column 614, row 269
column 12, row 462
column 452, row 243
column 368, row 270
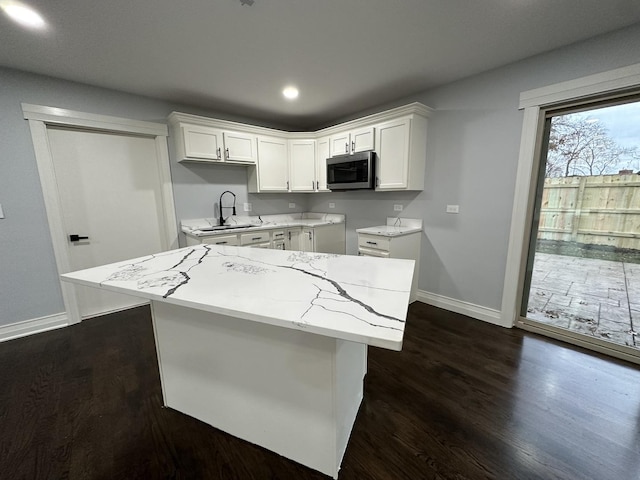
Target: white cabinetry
column 352, row 141
column 292, row 239
column 401, row 153
column 302, row 165
column 323, row 151
column 256, row 239
column 272, row 172
column 388, row 241
column 307, row 243
column 200, row 143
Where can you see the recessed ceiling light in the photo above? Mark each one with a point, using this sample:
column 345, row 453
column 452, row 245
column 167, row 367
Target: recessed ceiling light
column 290, row 93
column 23, row 14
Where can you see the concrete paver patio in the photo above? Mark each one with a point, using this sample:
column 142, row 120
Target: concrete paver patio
column 599, row 298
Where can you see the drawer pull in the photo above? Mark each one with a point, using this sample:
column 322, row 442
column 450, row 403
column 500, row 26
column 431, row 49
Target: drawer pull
column 372, row 243
column 221, row 243
column 256, row 238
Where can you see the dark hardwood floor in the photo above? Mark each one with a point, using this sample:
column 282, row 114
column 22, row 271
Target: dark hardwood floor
column 463, row 400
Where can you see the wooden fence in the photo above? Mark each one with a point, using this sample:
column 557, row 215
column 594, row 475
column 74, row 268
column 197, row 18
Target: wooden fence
column 598, row 210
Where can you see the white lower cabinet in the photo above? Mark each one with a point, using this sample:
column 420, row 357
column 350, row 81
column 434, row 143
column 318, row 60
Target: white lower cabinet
column 402, row 246
column 256, row 239
column 292, row 239
column 323, row 239
column 307, row 242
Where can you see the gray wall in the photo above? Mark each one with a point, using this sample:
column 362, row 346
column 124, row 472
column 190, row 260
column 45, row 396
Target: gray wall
column 29, row 286
column 473, row 140
column 473, row 145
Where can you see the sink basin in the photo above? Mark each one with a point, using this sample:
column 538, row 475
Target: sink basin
column 223, row 227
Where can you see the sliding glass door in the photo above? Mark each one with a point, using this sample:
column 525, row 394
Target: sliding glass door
column 583, row 267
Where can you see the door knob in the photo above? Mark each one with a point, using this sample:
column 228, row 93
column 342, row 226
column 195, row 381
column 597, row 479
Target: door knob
column 74, row 237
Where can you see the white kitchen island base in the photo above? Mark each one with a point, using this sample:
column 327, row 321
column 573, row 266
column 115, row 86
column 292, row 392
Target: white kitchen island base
column 290, row 391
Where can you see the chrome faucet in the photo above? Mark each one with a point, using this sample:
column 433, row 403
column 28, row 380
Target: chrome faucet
column 222, row 219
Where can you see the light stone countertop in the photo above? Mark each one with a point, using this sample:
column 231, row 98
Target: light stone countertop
column 361, row 299
column 197, row 227
column 395, row 227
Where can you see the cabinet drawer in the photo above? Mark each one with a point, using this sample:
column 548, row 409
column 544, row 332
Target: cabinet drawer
column 277, row 235
column 221, row 240
column 256, row 237
column 374, row 241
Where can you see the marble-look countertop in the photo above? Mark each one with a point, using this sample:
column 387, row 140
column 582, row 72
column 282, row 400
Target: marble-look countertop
column 197, row 227
column 361, row 299
column 394, row 227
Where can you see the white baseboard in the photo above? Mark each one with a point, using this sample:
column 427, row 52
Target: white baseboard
column 35, row 325
column 472, row 310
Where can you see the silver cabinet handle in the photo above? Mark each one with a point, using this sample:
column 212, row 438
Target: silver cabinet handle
column 226, row 151
column 219, row 152
column 317, row 185
column 353, row 146
column 309, row 235
column 287, row 184
column 377, row 182
column 221, row 243
column 372, row 243
column 289, row 235
column 256, row 238
column 346, row 147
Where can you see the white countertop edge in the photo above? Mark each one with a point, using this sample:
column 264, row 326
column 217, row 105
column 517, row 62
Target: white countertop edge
column 388, row 231
column 353, row 337
column 253, row 228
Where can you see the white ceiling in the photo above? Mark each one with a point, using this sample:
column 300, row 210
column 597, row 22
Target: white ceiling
column 344, row 55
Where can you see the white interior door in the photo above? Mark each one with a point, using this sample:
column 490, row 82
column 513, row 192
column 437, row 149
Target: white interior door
column 110, row 191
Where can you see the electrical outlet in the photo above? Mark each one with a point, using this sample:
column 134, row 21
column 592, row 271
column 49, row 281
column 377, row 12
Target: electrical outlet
column 292, row 205
column 247, row 207
column 453, row 208
column 332, row 205
column 397, row 207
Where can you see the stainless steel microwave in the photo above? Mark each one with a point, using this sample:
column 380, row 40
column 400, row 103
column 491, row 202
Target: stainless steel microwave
column 351, row 172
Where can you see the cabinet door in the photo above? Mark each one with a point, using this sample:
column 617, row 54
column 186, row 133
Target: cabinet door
column 362, row 139
column 340, row 144
column 202, row 142
column 302, row 165
column 307, row 243
column 240, row 147
column 392, row 148
column 292, row 239
column 322, row 153
column 272, row 164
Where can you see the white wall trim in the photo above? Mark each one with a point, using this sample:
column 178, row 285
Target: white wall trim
column 472, row 310
column 610, row 81
column 62, row 116
column 30, row 327
column 41, row 116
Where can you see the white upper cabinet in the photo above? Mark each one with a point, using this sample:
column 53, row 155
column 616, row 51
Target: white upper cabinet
column 272, row 172
column 198, row 139
column 352, row 141
column 322, row 153
column 240, row 147
column 202, row 143
column 281, row 161
column 302, row 165
column 401, row 153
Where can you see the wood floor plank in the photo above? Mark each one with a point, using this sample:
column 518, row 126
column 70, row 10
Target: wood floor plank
column 463, row 400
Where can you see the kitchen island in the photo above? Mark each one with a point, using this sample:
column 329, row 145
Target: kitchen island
column 267, row 345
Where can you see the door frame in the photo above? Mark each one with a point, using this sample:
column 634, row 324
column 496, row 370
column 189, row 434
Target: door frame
column 535, row 104
column 39, row 118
